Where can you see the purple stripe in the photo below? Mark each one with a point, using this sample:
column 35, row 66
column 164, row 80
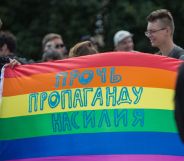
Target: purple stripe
column 109, row 158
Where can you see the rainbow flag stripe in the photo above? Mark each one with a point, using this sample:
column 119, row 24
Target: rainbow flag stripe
column 112, row 106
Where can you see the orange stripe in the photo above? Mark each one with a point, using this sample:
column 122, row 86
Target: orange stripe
column 131, row 76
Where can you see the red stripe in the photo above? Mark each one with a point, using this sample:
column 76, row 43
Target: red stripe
column 97, row 60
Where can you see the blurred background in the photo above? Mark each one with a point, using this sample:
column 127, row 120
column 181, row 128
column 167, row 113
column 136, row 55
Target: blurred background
column 30, row 20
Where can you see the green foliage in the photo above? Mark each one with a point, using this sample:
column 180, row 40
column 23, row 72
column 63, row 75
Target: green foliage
column 31, row 20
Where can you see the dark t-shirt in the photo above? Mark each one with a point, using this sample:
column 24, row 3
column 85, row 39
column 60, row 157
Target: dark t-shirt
column 176, row 52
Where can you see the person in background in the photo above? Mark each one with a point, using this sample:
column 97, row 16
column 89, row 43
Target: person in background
column 7, row 44
column 160, row 31
column 4, row 57
column 54, row 42
column 123, row 41
column 83, row 48
column 7, row 49
column 96, row 41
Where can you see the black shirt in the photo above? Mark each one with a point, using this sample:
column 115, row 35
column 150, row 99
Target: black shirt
column 176, row 52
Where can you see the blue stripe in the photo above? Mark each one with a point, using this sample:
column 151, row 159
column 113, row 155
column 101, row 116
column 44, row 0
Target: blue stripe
column 86, row 144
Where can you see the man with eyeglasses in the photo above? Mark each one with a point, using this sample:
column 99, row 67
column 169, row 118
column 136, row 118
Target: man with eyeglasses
column 53, row 42
column 160, row 31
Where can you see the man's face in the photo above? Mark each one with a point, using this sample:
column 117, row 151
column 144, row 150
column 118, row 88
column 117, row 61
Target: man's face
column 4, row 51
column 157, row 33
column 125, row 45
column 56, row 45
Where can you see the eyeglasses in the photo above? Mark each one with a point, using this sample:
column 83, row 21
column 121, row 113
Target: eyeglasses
column 58, row 46
column 53, row 46
column 150, row 32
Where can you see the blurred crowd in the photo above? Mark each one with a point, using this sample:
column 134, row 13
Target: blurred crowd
column 160, row 31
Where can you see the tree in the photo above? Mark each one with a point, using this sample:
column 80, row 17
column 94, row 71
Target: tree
column 31, row 20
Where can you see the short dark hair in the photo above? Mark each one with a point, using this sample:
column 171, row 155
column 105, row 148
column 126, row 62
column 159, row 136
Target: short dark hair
column 164, row 16
column 9, row 39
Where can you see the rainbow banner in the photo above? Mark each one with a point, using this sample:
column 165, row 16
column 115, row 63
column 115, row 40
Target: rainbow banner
column 111, row 106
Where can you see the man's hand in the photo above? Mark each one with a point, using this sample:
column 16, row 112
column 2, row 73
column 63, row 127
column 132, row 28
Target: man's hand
column 13, row 63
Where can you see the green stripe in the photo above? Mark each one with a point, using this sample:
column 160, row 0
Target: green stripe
column 75, row 122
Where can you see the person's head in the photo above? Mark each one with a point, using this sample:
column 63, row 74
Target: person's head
column 92, row 39
column 7, row 43
column 51, row 55
column 123, row 41
column 83, row 48
column 53, row 42
column 160, row 27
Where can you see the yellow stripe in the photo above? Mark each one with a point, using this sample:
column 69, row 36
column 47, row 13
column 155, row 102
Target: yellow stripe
column 151, row 98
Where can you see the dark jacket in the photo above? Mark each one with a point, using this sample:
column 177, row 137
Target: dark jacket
column 179, row 102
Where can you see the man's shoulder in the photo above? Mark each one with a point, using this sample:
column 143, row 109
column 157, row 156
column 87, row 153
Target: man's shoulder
column 178, row 48
column 177, row 52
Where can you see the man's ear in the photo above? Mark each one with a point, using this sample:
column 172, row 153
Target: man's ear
column 168, row 30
